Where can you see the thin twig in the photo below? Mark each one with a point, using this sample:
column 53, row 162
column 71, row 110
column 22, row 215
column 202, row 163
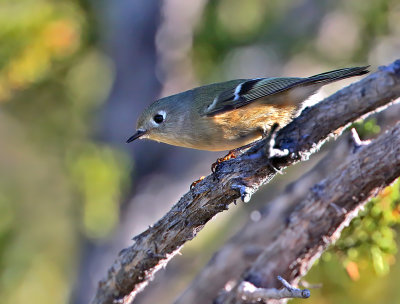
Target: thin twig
column 250, row 293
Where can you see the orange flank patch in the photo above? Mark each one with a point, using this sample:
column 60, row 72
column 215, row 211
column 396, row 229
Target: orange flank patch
column 255, row 116
column 352, row 271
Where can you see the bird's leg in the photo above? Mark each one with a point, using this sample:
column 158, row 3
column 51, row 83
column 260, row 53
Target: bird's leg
column 269, row 149
column 269, row 137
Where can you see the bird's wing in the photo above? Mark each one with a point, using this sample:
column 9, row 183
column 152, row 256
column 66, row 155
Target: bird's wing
column 250, row 90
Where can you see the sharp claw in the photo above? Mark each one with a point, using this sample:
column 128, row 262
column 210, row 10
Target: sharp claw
column 196, row 182
column 230, row 155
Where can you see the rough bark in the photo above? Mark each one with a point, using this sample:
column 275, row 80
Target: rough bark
column 237, row 255
column 242, row 249
column 318, row 220
column 239, row 178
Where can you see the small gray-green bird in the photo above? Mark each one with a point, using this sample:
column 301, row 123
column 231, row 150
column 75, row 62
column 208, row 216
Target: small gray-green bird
column 228, row 115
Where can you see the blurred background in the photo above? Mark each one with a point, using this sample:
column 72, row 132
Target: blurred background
column 75, row 75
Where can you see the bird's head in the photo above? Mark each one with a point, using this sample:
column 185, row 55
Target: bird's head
column 157, row 122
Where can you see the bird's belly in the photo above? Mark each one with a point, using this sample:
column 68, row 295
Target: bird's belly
column 232, row 129
column 216, row 142
column 242, row 126
column 222, row 143
column 219, row 138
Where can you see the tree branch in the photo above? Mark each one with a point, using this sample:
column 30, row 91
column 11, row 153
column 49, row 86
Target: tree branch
column 244, row 247
column 251, row 293
column 239, row 178
column 238, row 254
column 319, row 218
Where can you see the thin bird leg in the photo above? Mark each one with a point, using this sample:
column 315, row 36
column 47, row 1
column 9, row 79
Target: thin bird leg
column 236, row 152
column 269, row 149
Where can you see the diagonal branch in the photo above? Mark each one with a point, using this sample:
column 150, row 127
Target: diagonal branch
column 238, row 254
column 239, row 178
column 319, row 218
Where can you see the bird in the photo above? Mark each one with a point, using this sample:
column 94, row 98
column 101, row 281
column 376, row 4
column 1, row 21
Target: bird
column 228, row 115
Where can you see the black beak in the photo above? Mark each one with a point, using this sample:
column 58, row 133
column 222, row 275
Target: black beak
column 138, row 134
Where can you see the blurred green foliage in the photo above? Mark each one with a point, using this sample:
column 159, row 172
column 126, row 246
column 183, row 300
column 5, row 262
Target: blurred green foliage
column 367, row 251
column 56, row 182
column 368, row 128
column 308, row 31
column 362, row 266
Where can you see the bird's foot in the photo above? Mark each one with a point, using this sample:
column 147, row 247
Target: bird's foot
column 231, row 154
column 196, row 182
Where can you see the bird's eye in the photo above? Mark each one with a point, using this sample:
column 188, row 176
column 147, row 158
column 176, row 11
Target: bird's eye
column 158, row 118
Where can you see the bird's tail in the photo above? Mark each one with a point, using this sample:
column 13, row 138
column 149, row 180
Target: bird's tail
column 337, row 75
column 300, row 90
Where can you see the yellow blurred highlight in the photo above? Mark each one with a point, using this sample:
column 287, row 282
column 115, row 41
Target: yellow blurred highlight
column 381, row 268
column 57, row 39
column 61, row 37
column 28, row 67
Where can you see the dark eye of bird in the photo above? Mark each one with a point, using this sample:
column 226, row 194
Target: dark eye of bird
column 158, row 118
